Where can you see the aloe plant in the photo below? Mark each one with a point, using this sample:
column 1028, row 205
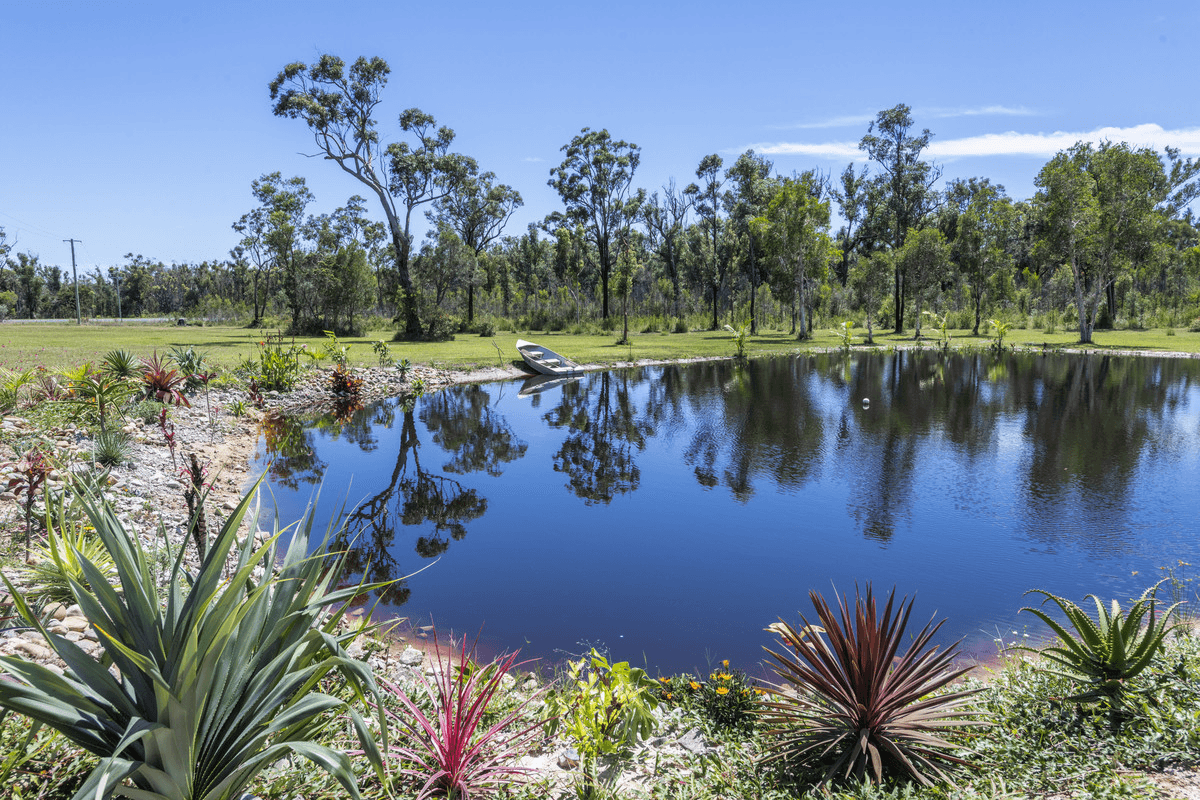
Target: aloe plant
column 452, row 749
column 849, row 697
column 1105, row 653
column 211, row 685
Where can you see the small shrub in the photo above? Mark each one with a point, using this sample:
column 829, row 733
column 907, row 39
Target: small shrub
column 146, row 411
column 113, row 447
column 121, row 364
column 1170, row 331
column 604, row 707
column 681, row 326
column 383, row 353
column 343, row 383
column 486, row 328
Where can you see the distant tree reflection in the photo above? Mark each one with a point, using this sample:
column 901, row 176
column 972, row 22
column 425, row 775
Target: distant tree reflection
column 464, row 423
column 605, row 434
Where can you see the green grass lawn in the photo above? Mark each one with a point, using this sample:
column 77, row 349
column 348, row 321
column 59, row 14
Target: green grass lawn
column 57, row 346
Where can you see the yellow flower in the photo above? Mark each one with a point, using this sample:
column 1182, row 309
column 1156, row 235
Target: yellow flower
column 663, row 680
column 725, row 663
column 694, row 685
column 722, row 690
column 724, row 676
column 669, row 695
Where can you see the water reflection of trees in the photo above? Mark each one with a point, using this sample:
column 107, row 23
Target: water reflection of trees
column 464, row 423
column 293, row 458
column 605, row 432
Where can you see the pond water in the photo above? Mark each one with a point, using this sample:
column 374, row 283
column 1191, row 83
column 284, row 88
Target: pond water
column 670, row 513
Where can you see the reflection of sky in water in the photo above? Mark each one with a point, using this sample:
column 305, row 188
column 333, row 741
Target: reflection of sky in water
column 671, row 513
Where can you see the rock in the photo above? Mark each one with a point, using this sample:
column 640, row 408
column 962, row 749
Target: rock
column 56, row 611
column 34, row 651
column 692, row 741
column 411, row 657
column 76, row 624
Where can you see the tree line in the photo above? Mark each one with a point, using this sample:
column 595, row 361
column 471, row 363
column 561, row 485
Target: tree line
column 1109, row 237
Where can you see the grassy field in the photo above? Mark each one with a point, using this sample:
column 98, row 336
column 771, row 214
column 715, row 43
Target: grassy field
column 57, row 346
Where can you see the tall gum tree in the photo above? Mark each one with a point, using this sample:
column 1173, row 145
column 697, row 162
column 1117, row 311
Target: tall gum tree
column 338, row 106
column 907, row 183
column 707, row 196
column 1101, row 208
column 477, row 209
column 979, row 222
column 595, row 182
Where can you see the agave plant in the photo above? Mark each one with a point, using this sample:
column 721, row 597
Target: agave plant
column 210, row 686
column 849, row 698
column 1105, row 653
column 120, row 364
column 452, row 749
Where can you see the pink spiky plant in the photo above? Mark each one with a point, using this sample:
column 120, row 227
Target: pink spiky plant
column 452, row 749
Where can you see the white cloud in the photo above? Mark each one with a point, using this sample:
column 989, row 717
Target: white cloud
column 838, row 150
column 1047, row 144
column 834, row 122
column 985, row 111
column 1012, row 143
column 533, row 159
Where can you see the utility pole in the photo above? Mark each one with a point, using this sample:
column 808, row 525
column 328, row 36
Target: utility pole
column 75, row 276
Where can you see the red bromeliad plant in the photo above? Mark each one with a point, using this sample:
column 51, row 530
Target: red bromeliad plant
column 849, row 698
column 452, row 751
column 29, row 475
column 161, row 383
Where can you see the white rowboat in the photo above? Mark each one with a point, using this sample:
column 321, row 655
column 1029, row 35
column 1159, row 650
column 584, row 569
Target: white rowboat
column 546, row 361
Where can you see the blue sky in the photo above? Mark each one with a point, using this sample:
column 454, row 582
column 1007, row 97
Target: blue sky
column 138, row 127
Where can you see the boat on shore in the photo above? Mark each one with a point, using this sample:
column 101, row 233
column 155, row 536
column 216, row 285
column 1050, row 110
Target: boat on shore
column 545, row 360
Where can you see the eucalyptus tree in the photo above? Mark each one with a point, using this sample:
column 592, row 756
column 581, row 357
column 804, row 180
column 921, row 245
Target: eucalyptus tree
column 979, row 222
column 338, row 106
column 795, row 232
column 708, row 205
column 869, row 278
column 906, row 183
column 476, row 209
column 595, row 182
column 925, row 256
column 270, row 236
column 666, row 222
column 751, row 189
column 1100, row 210
column 860, row 201
column 445, row 264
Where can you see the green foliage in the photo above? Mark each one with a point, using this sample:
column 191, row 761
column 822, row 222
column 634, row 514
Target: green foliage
column 210, row 687
column 113, row 447
column 37, row 762
column 845, row 333
column 384, row 353
column 728, row 698
column 11, row 383
column 338, row 352
column 276, row 365
column 1001, row 328
column 604, row 708
column 848, row 699
column 941, row 325
column 97, row 393
column 192, row 364
column 238, row 408
column 146, row 410
column 1105, row 653
column 739, row 338
column 60, row 562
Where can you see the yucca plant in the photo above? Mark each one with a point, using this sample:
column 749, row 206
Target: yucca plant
column 211, row 685
column 1105, row 653
column 61, row 560
column 452, row 750
column 849, row 699
column 120, row 364
column 113, row 447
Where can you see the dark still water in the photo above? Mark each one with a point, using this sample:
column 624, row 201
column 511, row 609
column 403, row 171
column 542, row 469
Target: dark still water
column 671, row 513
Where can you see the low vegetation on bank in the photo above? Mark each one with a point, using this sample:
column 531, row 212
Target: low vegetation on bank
column 166, row 683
